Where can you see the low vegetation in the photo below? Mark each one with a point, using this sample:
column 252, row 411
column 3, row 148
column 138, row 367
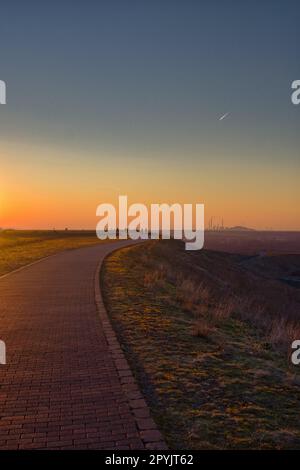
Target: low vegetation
column 209, row 343
column 18, row 248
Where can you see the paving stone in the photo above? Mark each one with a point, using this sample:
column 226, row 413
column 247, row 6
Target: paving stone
column 61, row 380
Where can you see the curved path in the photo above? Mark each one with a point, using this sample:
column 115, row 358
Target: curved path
column 66, row 384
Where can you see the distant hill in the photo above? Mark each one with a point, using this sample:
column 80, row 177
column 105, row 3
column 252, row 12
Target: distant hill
column 241, row 228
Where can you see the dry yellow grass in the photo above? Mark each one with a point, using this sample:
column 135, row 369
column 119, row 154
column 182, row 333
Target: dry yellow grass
column 211, row 376
column 18, row 248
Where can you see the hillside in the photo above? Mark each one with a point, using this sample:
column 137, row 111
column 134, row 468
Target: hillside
column 209, row 342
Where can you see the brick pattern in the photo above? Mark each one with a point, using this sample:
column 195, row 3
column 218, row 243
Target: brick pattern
column 66, row 384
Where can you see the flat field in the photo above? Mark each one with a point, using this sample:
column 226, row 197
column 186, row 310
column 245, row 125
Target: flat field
column 21, row 247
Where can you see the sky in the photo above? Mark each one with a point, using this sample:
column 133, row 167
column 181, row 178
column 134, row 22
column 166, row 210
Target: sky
column 124, row 97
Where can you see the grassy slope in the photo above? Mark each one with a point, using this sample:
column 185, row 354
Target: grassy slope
column 18, row 248
column 225, row 389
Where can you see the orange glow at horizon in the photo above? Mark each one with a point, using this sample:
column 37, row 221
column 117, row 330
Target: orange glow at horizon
column 55, row 194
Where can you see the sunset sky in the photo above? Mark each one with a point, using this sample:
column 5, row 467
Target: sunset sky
column 124, row 97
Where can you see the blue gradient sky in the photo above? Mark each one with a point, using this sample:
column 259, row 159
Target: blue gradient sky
column 125, row 96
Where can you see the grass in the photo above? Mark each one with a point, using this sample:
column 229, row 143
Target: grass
column 211, row 377
column 18, row 248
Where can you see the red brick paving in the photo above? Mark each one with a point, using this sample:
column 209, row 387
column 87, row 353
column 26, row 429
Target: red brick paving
column 66, row 384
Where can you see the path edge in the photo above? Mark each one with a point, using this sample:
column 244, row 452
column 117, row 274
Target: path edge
column 147, row 428
column 28, row 265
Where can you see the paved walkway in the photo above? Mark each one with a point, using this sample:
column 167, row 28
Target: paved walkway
column 66, row 384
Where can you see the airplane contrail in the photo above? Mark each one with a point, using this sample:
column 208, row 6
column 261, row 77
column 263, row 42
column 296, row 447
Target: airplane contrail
column 224, row 116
